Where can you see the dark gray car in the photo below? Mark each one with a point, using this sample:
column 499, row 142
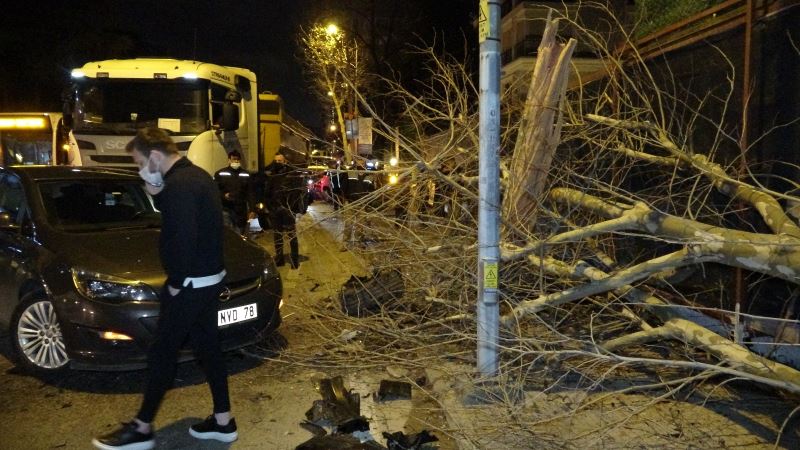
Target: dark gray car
column 80, row 272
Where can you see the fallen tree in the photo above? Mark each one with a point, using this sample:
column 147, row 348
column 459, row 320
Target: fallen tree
column 620, row 234
column 589, row 208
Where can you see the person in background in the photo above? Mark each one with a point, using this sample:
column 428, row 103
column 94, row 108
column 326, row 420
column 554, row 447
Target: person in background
column 284, row 196
column 237, row 194
column 190, row 247
column 339, row 184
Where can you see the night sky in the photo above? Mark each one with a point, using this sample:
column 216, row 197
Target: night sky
column 40, row 42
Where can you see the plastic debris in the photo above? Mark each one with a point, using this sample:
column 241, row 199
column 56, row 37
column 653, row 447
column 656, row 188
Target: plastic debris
column 339, row 408
column 402, row 441
column 338, row 442
column 361, row 296
column 394, row 390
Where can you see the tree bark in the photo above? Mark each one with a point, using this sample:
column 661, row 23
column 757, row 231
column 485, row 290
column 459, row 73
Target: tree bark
column 539, row 129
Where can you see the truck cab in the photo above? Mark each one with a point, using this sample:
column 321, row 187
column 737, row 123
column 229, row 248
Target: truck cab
column 209, row 109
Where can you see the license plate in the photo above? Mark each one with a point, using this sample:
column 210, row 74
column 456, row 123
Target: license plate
column 238, row 314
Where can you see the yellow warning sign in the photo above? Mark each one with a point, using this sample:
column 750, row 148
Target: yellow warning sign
column 490, row 275
column 483, row 21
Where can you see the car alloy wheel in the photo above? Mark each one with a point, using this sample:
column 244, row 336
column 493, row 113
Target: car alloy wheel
column 39, row 338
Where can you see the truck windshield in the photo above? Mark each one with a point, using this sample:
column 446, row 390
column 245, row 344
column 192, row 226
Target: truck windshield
column 26, row 147
column 112, row 106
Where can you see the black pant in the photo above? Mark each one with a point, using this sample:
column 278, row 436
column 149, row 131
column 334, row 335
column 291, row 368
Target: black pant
column 282, row 220
column 238, row 215
column 294, row 248
column 192, row 313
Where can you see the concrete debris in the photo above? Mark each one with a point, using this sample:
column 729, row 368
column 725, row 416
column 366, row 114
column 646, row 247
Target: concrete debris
column 397, row 371
column 347, row 335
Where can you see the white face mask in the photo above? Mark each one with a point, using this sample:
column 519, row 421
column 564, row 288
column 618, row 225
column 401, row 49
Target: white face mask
column 236, row 165
column 151, row 178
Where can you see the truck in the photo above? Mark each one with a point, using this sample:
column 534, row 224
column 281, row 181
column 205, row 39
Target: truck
column 33, row 138
column 279, row 132
column 209, row 109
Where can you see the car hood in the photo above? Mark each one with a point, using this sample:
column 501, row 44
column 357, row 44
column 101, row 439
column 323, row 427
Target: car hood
column 133, row 254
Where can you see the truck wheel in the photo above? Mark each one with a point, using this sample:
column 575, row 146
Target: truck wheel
column 37, row 340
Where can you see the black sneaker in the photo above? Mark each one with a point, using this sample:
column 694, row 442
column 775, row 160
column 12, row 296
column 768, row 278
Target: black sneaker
column 125, row 438
column 210, row 429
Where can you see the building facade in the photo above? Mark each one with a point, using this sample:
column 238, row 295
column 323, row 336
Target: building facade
column 522, row 26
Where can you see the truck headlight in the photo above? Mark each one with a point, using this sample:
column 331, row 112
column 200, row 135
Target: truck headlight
column 111, row 289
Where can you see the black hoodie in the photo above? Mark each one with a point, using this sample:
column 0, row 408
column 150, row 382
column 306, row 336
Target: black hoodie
column 191, row 229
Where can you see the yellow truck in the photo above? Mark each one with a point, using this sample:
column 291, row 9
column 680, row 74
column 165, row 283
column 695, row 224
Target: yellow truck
column 33, row 138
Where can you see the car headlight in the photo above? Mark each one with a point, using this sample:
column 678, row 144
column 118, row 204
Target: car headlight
column 269, row 271
column 111, row 289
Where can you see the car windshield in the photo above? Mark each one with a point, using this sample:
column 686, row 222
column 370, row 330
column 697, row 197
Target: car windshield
column 98, row 204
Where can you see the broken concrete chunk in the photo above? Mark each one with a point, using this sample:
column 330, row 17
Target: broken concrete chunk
column 347, row 335
column 397, row 371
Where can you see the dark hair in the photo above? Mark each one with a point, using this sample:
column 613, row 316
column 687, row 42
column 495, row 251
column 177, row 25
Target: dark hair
column 148, row 139
column 234, row 154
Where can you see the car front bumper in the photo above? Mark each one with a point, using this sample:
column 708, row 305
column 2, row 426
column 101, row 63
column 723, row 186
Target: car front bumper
column 83, row 321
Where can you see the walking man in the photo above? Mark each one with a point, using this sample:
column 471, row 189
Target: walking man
column 284, row 197
column 235, row 188
column 191, row 253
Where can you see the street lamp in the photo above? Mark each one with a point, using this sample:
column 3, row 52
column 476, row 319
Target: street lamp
column 332, row 29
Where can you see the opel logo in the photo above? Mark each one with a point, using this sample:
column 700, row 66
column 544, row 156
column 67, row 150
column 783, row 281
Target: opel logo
column 225, row 295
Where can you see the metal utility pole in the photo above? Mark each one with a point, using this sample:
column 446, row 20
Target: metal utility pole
column 489, row 186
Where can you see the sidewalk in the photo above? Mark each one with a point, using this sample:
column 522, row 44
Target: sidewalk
column 325, row 265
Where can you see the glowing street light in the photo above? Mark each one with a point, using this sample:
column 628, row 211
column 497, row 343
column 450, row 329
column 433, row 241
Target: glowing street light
column 332, row 127
column 332, row 29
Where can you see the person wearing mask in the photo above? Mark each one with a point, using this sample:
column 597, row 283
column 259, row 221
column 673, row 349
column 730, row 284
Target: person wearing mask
column 190, row 247
column 235, row 188
column 284, row 195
